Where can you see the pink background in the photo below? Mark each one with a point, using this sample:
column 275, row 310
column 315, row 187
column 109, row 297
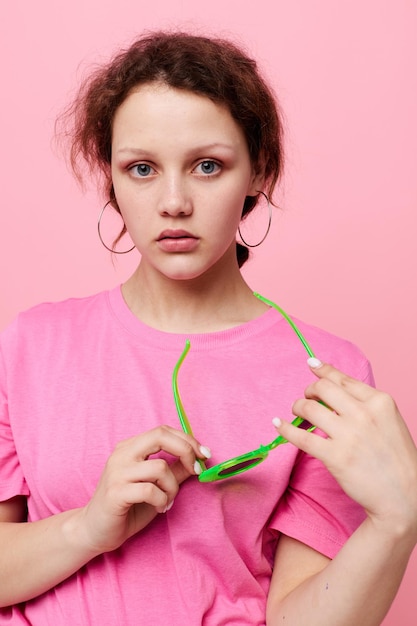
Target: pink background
column 342, row 253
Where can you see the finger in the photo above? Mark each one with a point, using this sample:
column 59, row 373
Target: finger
column 344, row 394
column 319, row 415
column 126, row 483
column 333, row 397
column 201, row 451
column 372, row 402
column 308, row 442
column 146, row 493
column 181, row 473
column 357, row 389
column 165, row 438
column 155, row 471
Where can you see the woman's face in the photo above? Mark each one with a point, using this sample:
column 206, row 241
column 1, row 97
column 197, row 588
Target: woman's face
column 181, row 171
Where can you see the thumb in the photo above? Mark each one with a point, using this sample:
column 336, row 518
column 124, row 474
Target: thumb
column 180, row 472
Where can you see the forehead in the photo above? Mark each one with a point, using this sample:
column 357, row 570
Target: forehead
column 154, row 112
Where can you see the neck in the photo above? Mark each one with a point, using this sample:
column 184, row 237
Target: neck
column 205, row 304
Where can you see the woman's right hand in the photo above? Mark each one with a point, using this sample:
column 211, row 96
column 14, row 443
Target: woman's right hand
column 134, row 488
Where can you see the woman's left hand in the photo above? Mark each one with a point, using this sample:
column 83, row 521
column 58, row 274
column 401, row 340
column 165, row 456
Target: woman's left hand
column 368, row 448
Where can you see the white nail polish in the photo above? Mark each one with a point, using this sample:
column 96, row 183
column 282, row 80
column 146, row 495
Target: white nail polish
column 276, row 422
column 314, row 363
column 168, row 507
column 206, row 451
column 197, row 468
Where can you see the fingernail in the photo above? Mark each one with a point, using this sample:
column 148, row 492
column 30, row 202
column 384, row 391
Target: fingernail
column 197, row 468
column 276, row 422
column 168, row 507
column 314, row 363
column 206, row 451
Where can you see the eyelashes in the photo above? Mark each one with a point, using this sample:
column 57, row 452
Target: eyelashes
column 205, row 168
column 141, row 170
column 208, row 167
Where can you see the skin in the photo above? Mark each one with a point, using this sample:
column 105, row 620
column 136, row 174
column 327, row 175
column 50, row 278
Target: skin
column 131, row 491
column 370, row 452
column 164, row 143
column 181, row 171
column 198, row 173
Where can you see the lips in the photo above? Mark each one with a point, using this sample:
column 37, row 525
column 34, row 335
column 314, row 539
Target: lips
column 177, row 240
column 175, row 234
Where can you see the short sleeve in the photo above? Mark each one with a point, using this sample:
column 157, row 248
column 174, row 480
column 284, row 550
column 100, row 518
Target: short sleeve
column 314, row 509
column 12, row 482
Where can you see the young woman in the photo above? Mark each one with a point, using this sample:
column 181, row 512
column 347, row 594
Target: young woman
column 105, row 518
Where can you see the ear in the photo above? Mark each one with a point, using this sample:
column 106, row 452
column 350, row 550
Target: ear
column 256, row 184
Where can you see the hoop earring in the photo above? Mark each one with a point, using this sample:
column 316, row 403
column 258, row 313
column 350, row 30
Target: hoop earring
column 255, row 245
column 101, row 238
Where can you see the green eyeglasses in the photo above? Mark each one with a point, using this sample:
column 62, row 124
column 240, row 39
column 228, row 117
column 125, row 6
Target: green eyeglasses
column 244, row 462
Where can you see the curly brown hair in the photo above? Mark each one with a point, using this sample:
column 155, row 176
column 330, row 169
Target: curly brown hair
column 215, row 68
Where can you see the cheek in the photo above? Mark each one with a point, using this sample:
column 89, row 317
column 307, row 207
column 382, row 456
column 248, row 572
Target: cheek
column 228, row 204
column 122, row 191
column 232, row 211
column 132, row 207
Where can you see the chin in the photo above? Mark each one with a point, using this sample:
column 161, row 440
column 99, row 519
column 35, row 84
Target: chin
column 184, row 276
column 186, row 269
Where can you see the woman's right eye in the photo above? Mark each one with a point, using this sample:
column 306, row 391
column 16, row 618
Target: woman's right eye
column 141, row 170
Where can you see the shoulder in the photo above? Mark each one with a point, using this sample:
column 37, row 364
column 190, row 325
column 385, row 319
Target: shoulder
column 44, row 322
column 340, row 352
column 69, row 309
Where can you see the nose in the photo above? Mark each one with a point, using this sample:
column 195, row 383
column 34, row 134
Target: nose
column 174, row 199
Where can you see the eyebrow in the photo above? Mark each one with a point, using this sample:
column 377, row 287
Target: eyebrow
column 198, row 149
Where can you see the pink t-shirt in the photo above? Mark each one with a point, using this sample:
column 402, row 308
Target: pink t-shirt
column 77, row 377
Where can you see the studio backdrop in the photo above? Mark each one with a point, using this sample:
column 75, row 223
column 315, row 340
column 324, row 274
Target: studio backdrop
column 342, row 249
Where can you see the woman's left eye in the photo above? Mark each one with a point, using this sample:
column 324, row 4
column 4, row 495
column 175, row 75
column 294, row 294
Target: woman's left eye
column 208, row 167
column 141, row 170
